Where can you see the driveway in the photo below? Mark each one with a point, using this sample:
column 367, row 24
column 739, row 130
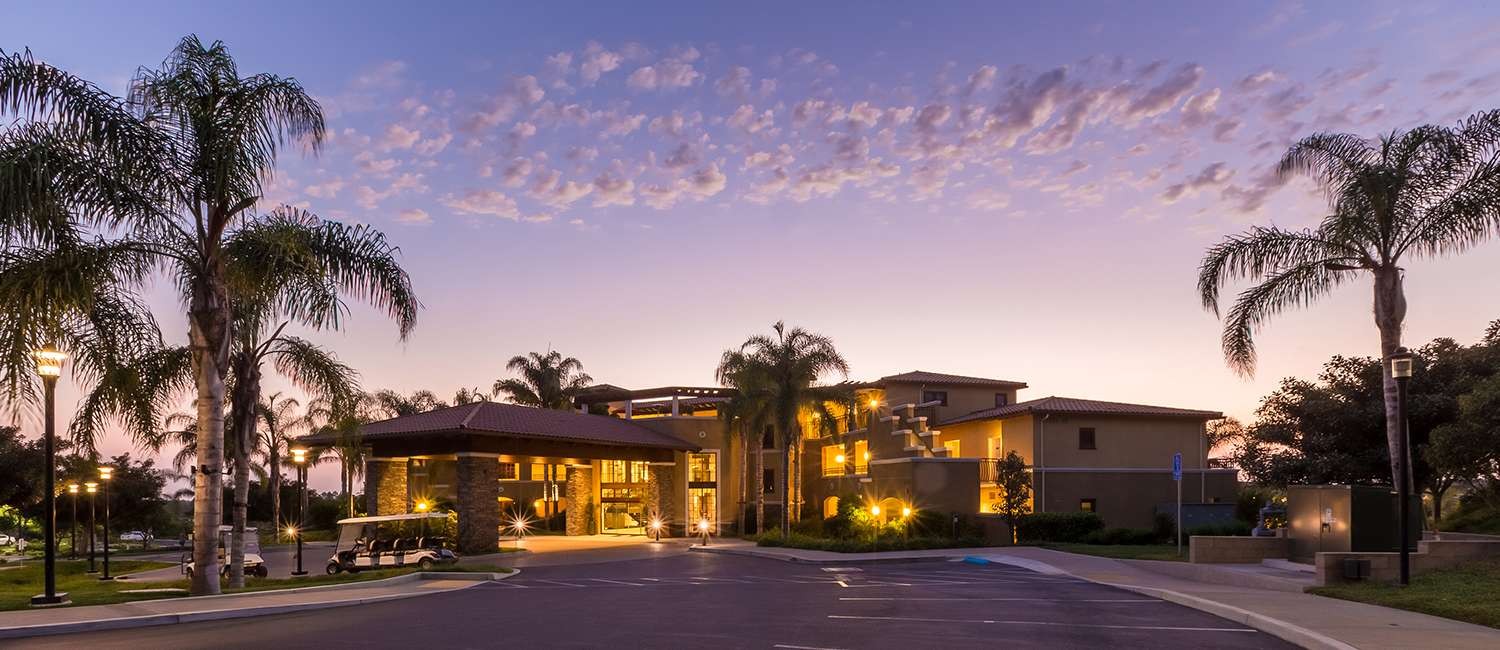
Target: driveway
column 700, row 600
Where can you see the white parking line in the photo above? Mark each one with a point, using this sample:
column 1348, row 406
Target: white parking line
column 616, row 582
column 558, row 582
column 802, row 647
column 1164, row 628
column 1025, row 600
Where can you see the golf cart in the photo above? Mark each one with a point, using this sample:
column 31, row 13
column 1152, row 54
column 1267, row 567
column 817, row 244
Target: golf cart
column 390, row 541
column 254, row 564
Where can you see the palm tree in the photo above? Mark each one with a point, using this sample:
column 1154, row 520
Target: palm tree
column 745, row 416
column 391, row 404
column 169, row 172
column 277, row 418
column 1423, row 193
column 470, row 396
column 344, row 419
column 547, row 381
column 785, row 371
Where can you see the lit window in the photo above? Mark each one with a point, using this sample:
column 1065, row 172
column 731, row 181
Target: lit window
column 834, row 460
column 508, row 471
column 861, row 457
column 954, row 448
column 830, row 507
column 703, row 468
column 1088, row 505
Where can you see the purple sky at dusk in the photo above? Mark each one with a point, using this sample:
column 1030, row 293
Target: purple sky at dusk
column 989, row 188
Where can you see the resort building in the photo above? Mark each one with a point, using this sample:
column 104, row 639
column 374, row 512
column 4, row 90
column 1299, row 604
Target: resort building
column 628, row 459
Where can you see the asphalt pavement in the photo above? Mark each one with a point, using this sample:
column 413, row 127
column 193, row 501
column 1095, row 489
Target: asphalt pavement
column 701, row 600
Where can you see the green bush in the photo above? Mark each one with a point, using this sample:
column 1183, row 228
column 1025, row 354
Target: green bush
column 1058, row 526
column 1251, row 499
column 1473, row 515
column 1121, row 536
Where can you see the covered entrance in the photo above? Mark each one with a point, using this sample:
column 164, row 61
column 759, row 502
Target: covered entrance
column 490, row 462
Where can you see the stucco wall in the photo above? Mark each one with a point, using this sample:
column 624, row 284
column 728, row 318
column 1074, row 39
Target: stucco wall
column 1126, row 499
column 1123, row 441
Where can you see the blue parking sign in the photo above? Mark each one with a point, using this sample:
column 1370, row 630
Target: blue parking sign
column 1177, row 467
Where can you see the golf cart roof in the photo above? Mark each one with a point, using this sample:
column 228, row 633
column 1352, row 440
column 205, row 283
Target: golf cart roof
column 406, row 517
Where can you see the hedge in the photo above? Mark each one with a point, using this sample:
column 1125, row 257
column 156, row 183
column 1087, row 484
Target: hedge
column 1058, row 526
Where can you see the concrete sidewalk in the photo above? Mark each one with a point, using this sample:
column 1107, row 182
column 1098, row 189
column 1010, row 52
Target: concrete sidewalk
column 1304, row 619
column 89, row 618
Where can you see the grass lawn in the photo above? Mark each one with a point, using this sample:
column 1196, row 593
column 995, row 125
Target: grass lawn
column 18, row 585
column 1467, row 593
column 1166, row 552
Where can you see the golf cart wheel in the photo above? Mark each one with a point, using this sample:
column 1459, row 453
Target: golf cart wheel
column 261, row 571
column 425, row 564
column 334, row 568
column 189, row 572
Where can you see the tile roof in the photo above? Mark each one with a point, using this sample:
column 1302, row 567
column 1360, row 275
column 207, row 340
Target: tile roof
column 1075, row 406
column 938, row 378
column 511, row 420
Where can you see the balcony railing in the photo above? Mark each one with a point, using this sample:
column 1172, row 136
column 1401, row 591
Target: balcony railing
column 989, row 470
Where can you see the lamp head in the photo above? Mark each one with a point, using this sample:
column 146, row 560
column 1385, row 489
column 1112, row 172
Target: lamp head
column 422, row 505
column 91, row 487
column 299, row 455
column 875, row 510
column 106, row 472
column 291, row 531
column 703, row 525
column 49, row 361
column 1401, row 362
column 905, row 512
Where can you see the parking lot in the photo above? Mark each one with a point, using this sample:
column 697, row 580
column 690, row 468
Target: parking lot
column 698, row 600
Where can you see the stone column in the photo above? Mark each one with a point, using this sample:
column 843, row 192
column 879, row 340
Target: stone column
column 385, row 486
column 478, row 503
column 580, row 492
column 660, row 495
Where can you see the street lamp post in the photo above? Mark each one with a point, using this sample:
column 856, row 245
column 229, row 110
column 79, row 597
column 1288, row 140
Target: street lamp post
column 1401, row 363
column 49, row 366
column 91, row 488
column 106, row 474
column 73, row 529
column 299, row 458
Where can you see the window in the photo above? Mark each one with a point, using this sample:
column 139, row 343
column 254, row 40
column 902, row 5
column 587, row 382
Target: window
column 1086, row 438
column 619, row 471
column 830, row 507
column 834, row 460
column 861, row 457
column 703, row 504
column 508, row 471
column 1088, row 505
column 1002, row 399
column 768, row 438
column 703, row 468
column 939, row 396
column 953, row 447
column 768, row 477
column 539, row 472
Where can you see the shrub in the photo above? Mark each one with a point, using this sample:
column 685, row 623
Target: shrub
column 1164, row 527
column 1229, row 529
column 1057, row 526
column 865, row 545
column 1248, row 503
column 1119, row 536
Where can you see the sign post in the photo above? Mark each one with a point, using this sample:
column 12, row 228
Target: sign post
column 1177, row 478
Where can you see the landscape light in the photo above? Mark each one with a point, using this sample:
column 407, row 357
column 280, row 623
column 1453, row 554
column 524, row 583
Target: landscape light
column 875, row 510
column 905, row 512
column 106, row 472
column 299, row 455
column 874, row 402
column 1401, row 363
column 72, row 488
column 49, row 361
column 291, row 531
column 422, row 505
column 703, row 525
column 91, row 487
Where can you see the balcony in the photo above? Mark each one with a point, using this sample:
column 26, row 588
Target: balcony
column 989, row 471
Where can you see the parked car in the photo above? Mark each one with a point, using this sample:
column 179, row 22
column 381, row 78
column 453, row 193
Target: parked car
column 387, row 542
column 5, row 540
column 254, row 564
column 133, row 536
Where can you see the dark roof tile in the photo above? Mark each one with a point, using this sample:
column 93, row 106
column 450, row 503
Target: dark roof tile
column 1075, row 406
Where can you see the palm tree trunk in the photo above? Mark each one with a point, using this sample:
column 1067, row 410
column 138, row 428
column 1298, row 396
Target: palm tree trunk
column 274, row 458
column 240, row 514
column 744, row 479
column 1390, row 312
column 242, row 408
column 208, row 323
column 760, row 483
column 786, row 484
column 796, row 450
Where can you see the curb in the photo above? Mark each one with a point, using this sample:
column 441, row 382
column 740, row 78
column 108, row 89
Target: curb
column 153, row 620
column 1276, row 627
column 1273, row 626
column 721, row 550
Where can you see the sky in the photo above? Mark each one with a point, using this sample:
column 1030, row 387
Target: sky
column 993, row 189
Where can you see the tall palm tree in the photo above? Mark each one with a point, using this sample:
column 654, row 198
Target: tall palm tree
column 467, row 395
column 168, row 172
column 344, row 419
column 547, row 381
column 278, row 417
column 786, row 369
column 745, row 417
column 1423, row 193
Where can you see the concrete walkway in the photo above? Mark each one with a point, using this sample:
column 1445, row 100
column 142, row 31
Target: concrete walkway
column 64, row 620
column 1304, row 619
